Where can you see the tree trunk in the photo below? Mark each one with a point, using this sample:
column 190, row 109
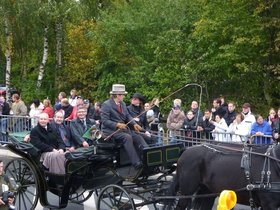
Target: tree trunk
column 44, row 60
column 58, row 27
column 8, row 54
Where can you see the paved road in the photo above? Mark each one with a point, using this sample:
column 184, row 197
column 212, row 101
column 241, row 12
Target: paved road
column 6, row 156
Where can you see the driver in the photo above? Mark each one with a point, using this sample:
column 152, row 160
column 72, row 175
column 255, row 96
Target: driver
column 115, row 119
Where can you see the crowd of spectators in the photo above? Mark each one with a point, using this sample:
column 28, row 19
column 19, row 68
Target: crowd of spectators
column 220, row 118
column 223, row 123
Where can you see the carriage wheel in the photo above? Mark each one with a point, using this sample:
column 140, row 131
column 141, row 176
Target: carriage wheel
column 80, row 197
column 115, row 197
column 27, row 194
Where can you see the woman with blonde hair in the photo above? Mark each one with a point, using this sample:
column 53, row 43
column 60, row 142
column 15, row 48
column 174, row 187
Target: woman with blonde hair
column 48, row 108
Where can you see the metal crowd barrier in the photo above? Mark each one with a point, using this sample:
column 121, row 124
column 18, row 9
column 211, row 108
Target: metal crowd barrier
column 11, row 124
column 194, row 137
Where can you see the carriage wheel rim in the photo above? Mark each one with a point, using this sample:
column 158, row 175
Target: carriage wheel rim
column 27, row 190
column 117, row 198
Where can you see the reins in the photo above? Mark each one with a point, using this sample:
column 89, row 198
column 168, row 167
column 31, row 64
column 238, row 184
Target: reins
column 241, row 151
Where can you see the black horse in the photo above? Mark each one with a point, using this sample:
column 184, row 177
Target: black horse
column 210, row 169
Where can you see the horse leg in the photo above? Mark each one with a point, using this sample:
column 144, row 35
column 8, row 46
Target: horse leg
column 203, row 203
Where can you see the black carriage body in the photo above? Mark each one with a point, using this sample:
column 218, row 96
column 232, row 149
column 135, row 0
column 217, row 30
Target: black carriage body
column 162, row 154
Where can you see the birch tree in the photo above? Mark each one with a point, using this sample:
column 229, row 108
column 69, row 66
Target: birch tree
column 8, row 54
column 44, row 59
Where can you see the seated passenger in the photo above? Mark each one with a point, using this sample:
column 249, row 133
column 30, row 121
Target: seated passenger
column 175, row 122
column 114, row 118
column 63, row 130
column 260, row 129
column 79, row 127
column 219, row 133
column 51, row 146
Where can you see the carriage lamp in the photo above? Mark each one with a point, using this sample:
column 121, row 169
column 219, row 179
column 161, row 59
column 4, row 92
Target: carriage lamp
column 227, row 200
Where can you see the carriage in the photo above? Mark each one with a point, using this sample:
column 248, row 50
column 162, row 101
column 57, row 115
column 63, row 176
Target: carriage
column 102, row 169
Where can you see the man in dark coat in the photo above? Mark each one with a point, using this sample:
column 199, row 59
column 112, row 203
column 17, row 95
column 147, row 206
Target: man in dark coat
column 63, row 130
column 114, row 121
column 217, row 108
column 231, row 114
column 4, row 110
column 51, row 146
column 138, row 113
column 80, row 125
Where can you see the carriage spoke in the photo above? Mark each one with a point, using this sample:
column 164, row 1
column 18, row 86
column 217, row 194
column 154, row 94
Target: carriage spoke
column 120, row 197
column 106, row 203
column 110, row 197
column 125, row 204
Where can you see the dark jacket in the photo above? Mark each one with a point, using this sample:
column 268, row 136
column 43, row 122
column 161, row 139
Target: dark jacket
column 110, row 116
column 46, row 140
column 230, row 117
column 135, row 111
column 220, row 111
column 90, row 112
column 190, row 124
column 78, row 130
column 67, row 110
column 5, row 108
column 198, row 115
column 207, row 126
column 57, row 128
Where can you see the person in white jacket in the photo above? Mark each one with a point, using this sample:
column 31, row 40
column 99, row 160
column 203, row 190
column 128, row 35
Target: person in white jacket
column 36, row 109
column 238, row 129
column 219, row 133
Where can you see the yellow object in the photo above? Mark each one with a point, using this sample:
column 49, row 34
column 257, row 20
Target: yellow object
column 227, row 200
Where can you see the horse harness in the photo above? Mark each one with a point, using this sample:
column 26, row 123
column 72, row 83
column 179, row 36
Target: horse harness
column 265, row 181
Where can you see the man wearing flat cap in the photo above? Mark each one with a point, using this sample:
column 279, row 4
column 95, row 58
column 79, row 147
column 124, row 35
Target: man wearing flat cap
column 115, row 119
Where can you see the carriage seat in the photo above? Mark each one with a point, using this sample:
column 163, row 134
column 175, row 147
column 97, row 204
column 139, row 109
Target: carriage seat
column 17, row 138
column 109, row 144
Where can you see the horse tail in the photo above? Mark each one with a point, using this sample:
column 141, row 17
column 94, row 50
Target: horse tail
column 170, row 204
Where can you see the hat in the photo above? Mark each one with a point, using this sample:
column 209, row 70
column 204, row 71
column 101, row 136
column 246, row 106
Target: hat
column 86, row 101
column 139, row 96
column 118, row 89
column 81, row 97
column 246, row 105
column 176, row 106
column 36, row 102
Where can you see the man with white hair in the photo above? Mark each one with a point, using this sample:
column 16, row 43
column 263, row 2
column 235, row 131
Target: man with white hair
column 50, row 145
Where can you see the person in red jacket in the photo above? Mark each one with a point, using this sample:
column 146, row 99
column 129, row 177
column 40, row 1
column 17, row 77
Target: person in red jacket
column 48, row 108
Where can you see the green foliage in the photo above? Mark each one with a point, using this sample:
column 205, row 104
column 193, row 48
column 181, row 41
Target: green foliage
column 152, row 46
